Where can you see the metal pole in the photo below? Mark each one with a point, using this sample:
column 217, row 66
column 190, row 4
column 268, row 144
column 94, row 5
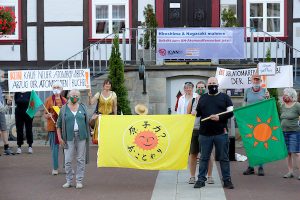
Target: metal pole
column 257, row 45
column 136, row 46
column 87, row 58
column 150, row 45
column 251, row 45
column 264, row 47
column 289, row 55
column 124, row 46
column 277, row 46
column 94, row 60
column 296, row 65
column 282, row 61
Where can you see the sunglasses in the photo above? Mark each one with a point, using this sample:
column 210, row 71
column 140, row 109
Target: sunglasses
column 189, row 83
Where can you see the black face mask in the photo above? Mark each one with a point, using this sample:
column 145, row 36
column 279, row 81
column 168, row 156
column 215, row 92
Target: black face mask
column 212, row 89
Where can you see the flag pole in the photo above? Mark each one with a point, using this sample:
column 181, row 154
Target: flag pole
column 222, row 113
column 49, row 113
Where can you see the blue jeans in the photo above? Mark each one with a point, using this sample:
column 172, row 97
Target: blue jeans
column 54, row 150
column 221, row 143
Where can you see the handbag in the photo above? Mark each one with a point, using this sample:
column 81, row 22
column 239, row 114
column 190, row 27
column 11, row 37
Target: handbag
column 92, row 121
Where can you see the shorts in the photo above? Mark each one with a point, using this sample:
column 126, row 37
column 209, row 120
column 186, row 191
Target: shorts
column 3, row 126
column 195, row 146
column 292, row 141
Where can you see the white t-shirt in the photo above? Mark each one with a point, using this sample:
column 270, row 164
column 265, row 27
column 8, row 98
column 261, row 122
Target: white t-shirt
column 75, row 123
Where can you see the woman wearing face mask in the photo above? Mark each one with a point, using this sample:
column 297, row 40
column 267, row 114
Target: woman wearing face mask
column 73, row 133
column 290, row 112
column 54, row 100
column 252, row 95
column 106, row 105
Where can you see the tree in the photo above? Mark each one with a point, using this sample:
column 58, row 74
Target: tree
column 228, row 17
column 116, row 75
column 150, row 24
column 273, row 91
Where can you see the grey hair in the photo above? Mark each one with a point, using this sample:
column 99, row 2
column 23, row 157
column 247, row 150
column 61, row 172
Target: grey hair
column 57, row 84
column 74, row 91
column 1, row 73
column 291, row 92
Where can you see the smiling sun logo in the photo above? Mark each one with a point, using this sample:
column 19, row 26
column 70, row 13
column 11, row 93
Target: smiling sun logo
column 262, row 132
column 146, row 141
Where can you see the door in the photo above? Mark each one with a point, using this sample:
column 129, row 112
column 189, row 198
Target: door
column 188, row 13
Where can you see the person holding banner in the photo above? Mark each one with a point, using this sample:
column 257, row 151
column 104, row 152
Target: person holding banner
column 106, row 105
column 252, row 95
column 3, row 127
column 22, row 119
column 73, row 134
column 56, row 99
column 195, row 147
column 290, row 117
column 214, row 108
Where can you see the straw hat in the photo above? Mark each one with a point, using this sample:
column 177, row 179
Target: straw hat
column 141, row 109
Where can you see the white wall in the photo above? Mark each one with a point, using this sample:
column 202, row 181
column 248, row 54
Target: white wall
column 31, row 10
column 104, row 50
column 141, row 6
column 10, row 53
column 62, row 42
column 228, row 1
column 296, row 38
column 261, row 53
column 66, row 10
column 296, row 8
column 32, row 43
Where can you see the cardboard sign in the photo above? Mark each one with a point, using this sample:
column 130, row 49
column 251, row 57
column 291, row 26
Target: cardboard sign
column 266, row 68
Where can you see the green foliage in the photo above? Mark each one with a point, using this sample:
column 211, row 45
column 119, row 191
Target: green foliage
column 273, row 91
column 229, row 18
column 116, row 75
column 150, row 24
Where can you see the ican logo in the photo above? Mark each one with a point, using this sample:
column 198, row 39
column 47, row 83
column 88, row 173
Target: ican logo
column 175, row 52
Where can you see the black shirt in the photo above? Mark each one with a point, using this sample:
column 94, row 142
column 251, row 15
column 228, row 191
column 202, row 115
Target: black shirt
column 22, row 100
column 213, row 104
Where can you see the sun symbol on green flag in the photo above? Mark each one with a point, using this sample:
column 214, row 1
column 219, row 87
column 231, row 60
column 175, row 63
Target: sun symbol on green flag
column 262, row 132
column 32, row 104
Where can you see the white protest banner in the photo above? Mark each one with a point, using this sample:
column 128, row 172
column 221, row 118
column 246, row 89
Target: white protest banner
column 241, row 78
column 266, row 68
column 42, row 80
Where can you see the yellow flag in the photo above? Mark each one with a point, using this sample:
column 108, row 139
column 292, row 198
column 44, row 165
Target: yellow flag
column 56, row 109
column 153, row 142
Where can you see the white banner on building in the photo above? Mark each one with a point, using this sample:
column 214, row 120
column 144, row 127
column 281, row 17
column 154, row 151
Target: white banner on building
column 241, row 78
column 42, row 80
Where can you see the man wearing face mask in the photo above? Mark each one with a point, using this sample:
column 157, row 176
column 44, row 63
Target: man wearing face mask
column 214, row 131
column 252, row 95
column 22, row 119
column 195, row 147
column 56, row 99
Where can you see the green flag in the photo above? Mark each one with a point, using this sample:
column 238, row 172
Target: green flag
column 34, row 104
column 261, row 133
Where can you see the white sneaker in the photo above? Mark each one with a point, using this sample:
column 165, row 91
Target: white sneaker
column 54, row 172
column 19, row 150
column 67, row 185
column 30, row 151
column 79, row 185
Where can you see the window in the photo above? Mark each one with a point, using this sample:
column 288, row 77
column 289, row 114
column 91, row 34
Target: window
column 14, row 6
column 227, row 7
column 266, row 16
column 109, row 17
